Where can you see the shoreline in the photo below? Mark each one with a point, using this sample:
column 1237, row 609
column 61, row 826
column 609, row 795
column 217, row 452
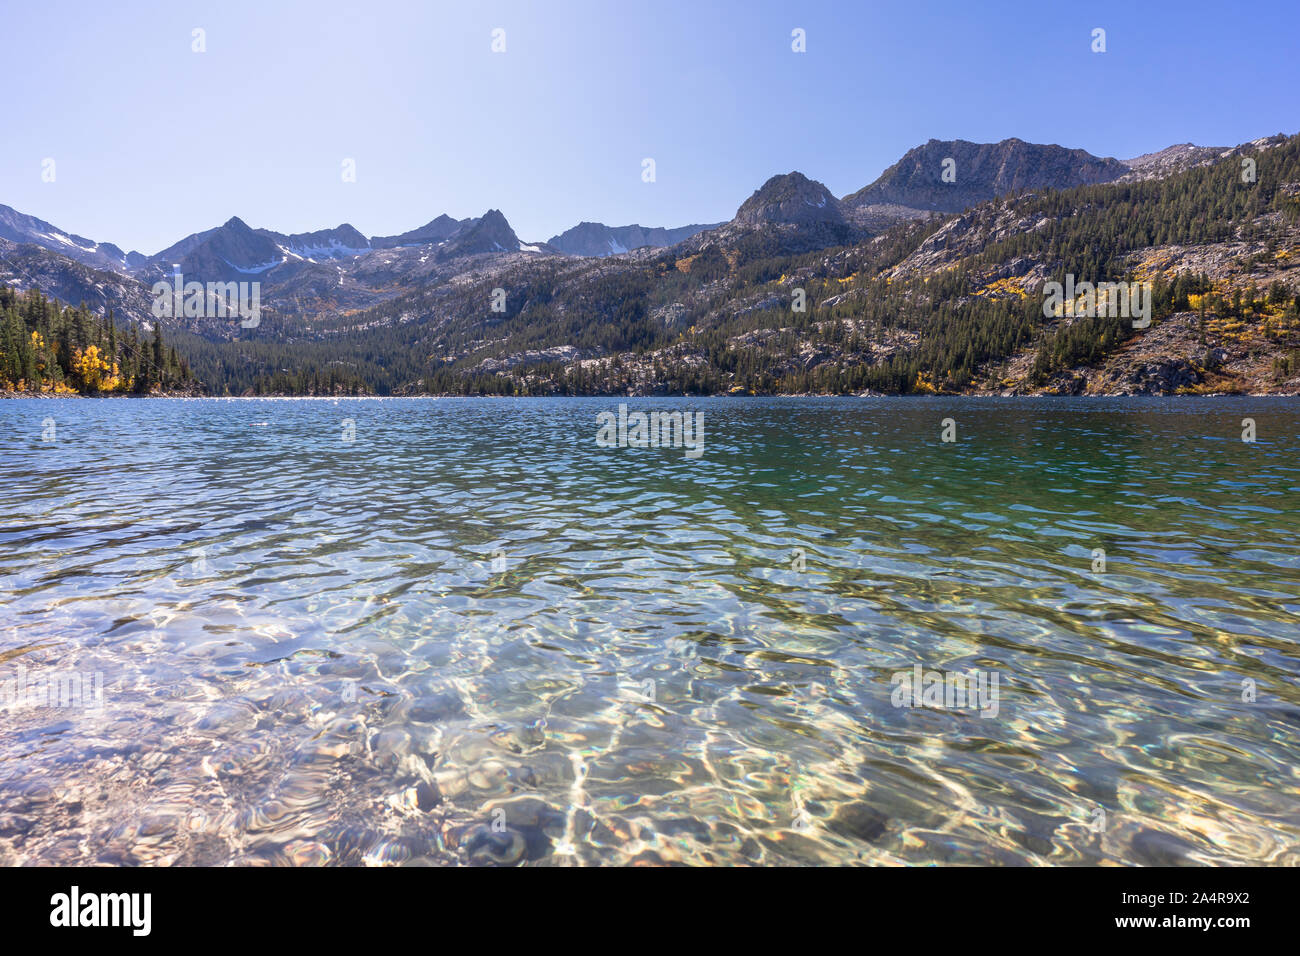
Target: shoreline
column 666, row 395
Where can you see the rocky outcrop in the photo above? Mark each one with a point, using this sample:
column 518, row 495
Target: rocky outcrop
column 1164, row 377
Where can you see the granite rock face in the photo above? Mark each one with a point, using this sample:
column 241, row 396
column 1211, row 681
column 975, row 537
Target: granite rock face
column 980, row 172
column 792, row 199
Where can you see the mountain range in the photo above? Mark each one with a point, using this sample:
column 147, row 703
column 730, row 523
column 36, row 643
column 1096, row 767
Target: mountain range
column 18, row 227
column 579, row 299
column 598, row 239
column 911, row 188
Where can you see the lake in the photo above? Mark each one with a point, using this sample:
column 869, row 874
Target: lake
column 432, row 631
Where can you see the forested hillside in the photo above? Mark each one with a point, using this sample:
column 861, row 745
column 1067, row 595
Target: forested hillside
column 946, row 304
column 48, row 348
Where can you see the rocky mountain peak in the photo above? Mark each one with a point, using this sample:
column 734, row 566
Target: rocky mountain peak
column 977, row 172
column 790, row 198
column 341, row 242
column 491, row 233
column 436, row 230
column 598, row 239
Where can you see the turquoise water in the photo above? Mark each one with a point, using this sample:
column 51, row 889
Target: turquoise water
column 463, row 632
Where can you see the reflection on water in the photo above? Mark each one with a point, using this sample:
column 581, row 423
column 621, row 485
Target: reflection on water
column 468, row 634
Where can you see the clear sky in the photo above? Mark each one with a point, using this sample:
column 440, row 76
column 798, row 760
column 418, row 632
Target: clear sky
column 153, row 141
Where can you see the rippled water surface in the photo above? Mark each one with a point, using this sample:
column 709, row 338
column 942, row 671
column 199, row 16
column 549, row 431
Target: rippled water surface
column 469, row 634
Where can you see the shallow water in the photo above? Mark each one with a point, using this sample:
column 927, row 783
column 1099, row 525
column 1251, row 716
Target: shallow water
column 469, row 634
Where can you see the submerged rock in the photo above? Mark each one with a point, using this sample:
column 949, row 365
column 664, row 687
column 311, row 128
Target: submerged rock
column 1157, row 848
column 858, row 821
column 488, row 847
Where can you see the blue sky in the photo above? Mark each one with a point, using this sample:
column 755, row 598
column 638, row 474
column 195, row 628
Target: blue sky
column 152, row 141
